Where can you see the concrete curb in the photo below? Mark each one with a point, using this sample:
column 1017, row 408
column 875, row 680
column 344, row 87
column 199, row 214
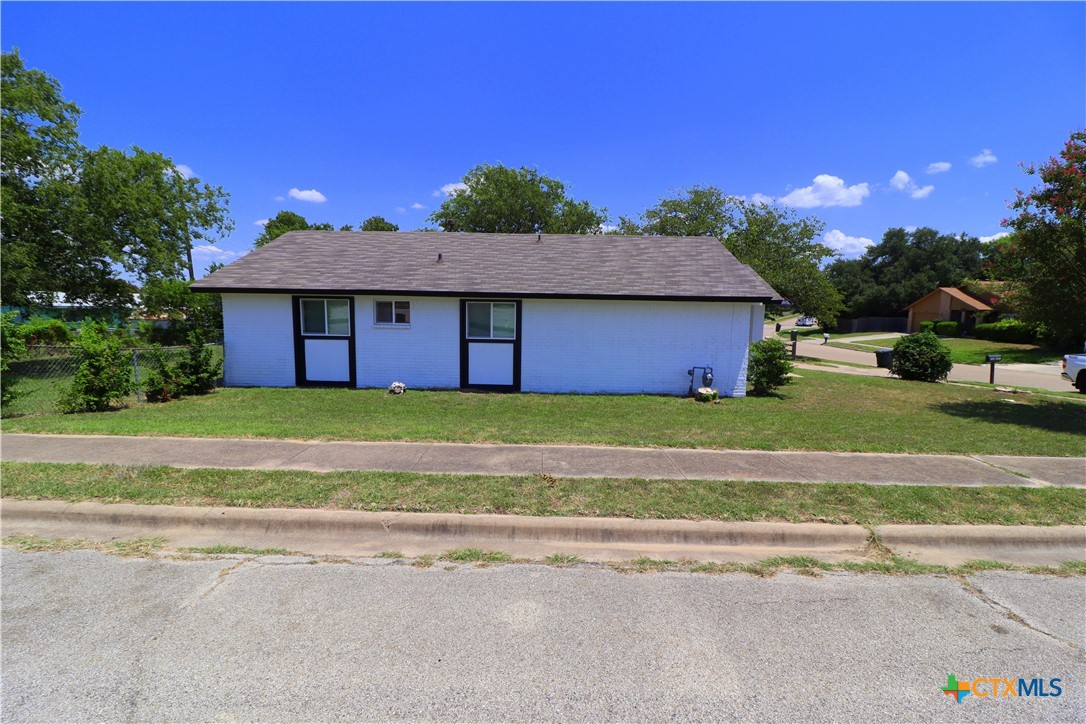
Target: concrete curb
column 953, row 545
column 342, row 532
column 360, row 532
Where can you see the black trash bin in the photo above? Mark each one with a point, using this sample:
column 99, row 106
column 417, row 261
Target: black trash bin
column 883, row 357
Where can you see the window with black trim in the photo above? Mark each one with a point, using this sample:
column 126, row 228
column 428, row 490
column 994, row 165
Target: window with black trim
column 392, row 313
column 491, row 320
column 326, row 317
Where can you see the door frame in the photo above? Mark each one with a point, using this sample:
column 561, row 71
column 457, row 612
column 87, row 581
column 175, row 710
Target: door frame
column 515, row 387
column 299, row 342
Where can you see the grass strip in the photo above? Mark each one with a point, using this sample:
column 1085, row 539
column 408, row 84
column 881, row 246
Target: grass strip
column 820, row 411
column 539, row 495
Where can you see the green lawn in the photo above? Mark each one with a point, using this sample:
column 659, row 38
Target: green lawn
column 968, row 351
column 819, row 411
column 547, row 496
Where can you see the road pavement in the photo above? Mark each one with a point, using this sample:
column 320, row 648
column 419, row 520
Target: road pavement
column 90, row 637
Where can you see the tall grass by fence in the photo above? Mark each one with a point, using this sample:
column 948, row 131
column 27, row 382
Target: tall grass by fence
column 44, row 373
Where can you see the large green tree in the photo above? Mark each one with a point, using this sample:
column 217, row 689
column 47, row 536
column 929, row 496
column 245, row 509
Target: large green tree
column 774, row 241
column 39, row 152
column 378, row 223
column 145, row 215
column 903, row 267
column 498, row 199
column 286, row 221
column 1046, row 257
column 72, row 218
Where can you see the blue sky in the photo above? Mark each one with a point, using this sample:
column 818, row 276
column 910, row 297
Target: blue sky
column 842, row 110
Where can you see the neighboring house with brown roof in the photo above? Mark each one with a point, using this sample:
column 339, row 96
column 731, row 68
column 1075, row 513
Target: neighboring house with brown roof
column 946, row 304
column 550, row 313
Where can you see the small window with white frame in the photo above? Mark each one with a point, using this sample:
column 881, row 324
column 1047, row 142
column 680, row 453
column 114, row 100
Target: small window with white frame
column 392, row 314
column 326, row 317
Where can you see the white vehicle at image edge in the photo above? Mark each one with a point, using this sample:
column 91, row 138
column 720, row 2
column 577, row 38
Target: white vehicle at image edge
column 1074, row 369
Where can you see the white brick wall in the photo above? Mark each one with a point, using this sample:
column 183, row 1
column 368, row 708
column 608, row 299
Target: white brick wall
column 426, row 355
column 258, row 340
column 567, row 345
column 629, row 346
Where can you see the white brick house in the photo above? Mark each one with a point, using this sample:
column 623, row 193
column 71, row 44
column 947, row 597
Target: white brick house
column 590, row 314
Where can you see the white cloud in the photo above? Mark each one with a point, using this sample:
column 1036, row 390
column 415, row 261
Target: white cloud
column 938, row 167
column 903, row 182
column 280, row 198
column 450, row 189
column 416, row 206
column 261, row 222
column 185, row 171
column 993, row 237
column 311, row 195
column 608, row 228
column 826, row 191
column 984, row 158
column 761, row 199
column 911, row 229
column 401, row 210
column 213, row 253
column 849, row 246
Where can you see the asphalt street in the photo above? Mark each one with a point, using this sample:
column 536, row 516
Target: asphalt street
column 88, row 636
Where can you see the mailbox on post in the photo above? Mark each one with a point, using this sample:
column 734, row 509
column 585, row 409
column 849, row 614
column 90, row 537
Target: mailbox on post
column 991, row 359
column 794, row 334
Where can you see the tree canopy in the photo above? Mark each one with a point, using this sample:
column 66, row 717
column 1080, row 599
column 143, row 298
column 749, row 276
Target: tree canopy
column 903, row 267
column 1045, row 258
column 774, row 241
column 497, row 199
column 378, row 223
column 71, row 218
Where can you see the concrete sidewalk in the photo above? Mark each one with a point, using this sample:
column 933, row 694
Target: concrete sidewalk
column 557, row 460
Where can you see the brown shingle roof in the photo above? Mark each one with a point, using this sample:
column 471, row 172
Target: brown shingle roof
column 974, row 304
column 493, row 265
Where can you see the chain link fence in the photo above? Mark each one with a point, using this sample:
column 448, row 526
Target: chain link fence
column 45, row 373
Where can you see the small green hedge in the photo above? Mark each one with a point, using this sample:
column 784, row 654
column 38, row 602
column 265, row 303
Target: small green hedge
column 948, row 329
column 921, row 357
column 928, row 326
column 1009, row 330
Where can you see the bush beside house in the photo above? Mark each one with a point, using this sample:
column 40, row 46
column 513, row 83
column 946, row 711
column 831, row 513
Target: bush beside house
column 769, row 366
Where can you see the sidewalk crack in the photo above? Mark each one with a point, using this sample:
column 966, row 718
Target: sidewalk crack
column 667, row 454
column 425, row 450
column 306, row 447
column 1025, row 479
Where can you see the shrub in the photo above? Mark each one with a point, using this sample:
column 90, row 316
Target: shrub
column 104, row 374
column 1009, row 330
column 195, row 374
column 769, row 366
column 921, row 357
column 12, row 348
column 162, row 382
column 948, row 329
column 199, row 370
column 928, row 326
column 43, row 330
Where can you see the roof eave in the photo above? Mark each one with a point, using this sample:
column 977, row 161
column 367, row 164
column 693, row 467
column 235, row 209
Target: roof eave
column 765, row 299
